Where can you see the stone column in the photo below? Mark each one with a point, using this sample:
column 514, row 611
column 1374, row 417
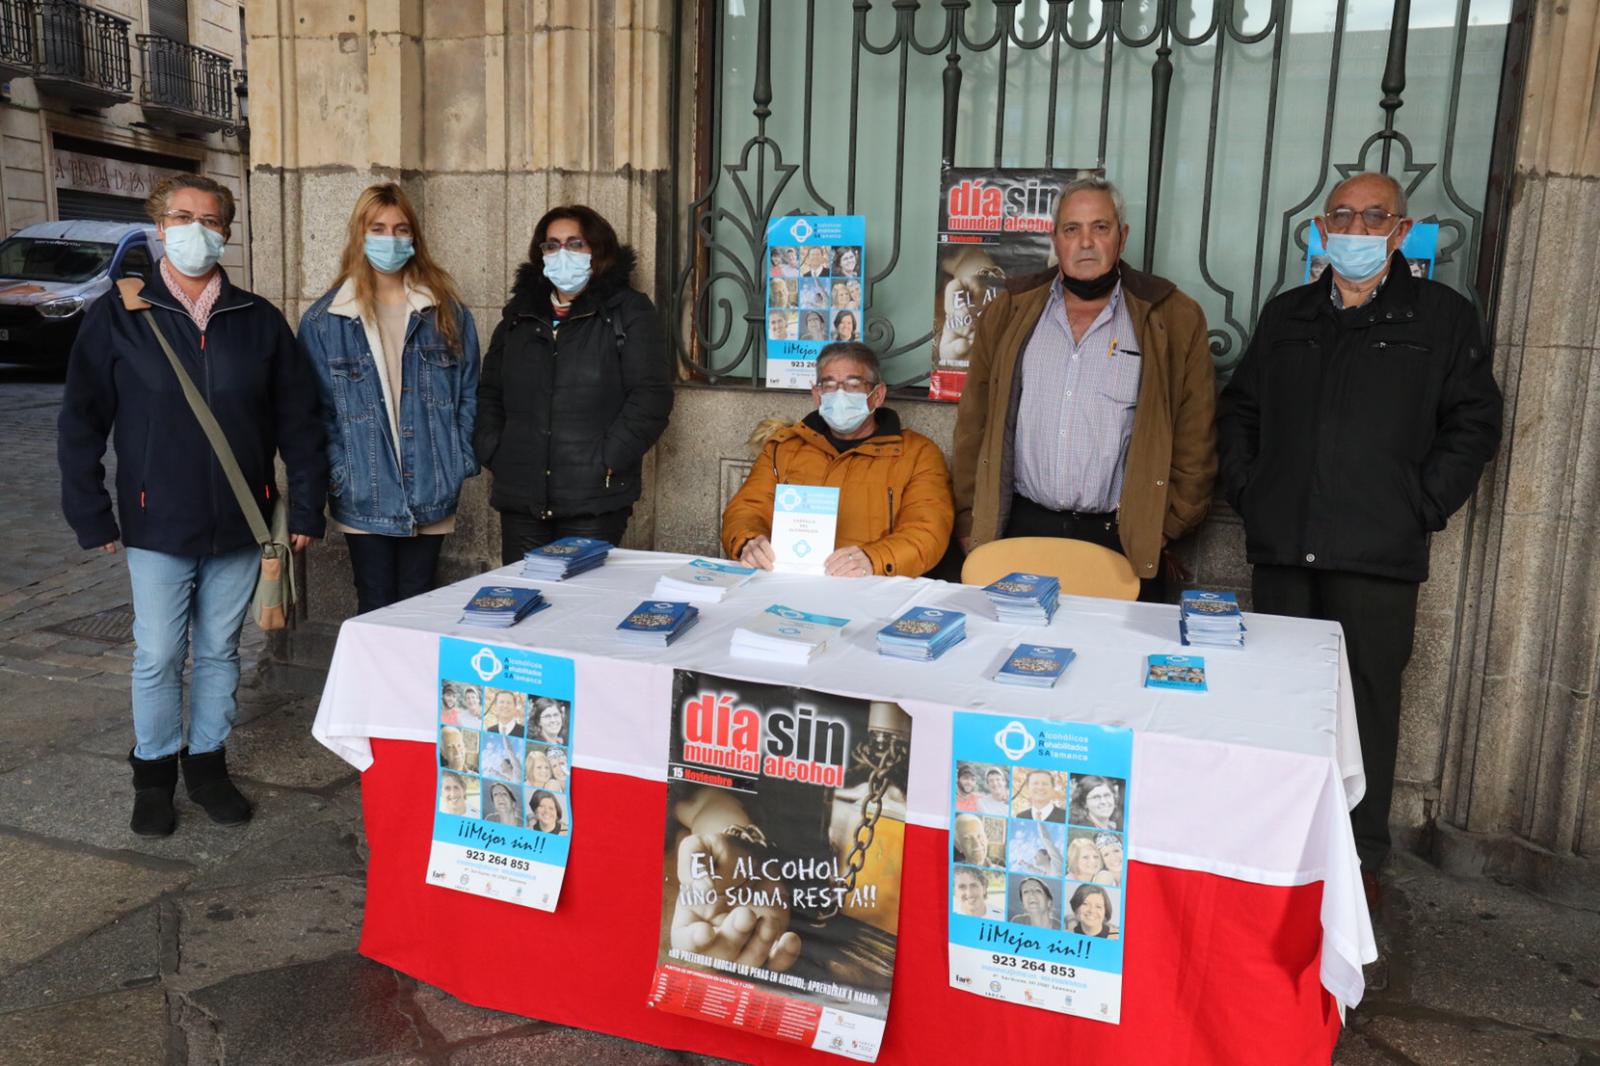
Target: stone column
column 1520, row 789
column 489, row 112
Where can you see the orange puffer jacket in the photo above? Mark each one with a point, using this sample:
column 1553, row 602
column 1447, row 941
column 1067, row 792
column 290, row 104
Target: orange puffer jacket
column 894, row 492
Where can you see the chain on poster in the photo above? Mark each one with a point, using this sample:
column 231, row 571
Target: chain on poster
column 1038, row 881
column 994, row 227
column 816, row 277
column 502, row 819
column 781, row 861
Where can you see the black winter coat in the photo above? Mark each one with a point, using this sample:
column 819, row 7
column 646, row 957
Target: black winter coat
column 1347, row 436
column 565, row 417
column 172, row 495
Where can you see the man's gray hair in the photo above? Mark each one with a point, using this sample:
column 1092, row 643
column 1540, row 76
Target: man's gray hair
column 1095, row 183
column 853, row 350
column 1395, row 188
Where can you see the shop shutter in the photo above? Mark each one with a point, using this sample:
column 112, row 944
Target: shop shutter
column 170, row 18
column 71, row 204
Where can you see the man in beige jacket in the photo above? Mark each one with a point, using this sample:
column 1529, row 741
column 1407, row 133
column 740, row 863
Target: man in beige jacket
column 1088, row 408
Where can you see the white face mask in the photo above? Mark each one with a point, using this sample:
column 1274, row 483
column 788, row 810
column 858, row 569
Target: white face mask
column 844, row 411
column 193, row 249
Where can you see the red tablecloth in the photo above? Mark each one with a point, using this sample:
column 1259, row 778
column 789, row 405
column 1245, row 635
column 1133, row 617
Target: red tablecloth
column 1216, row 971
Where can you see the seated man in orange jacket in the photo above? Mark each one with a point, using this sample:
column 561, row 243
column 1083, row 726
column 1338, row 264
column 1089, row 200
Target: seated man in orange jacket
column 895, row 507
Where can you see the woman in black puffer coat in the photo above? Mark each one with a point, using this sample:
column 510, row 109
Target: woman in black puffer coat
column 576, row 387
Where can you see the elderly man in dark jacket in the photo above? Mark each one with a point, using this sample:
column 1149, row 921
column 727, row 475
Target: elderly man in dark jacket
column 192, row 560
column 576, row 388
column 1358, row 421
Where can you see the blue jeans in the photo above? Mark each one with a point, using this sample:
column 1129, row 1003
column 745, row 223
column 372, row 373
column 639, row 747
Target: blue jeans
column 179, row 600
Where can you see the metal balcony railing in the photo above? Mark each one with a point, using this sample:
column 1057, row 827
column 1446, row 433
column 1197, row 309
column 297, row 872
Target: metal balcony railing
column 189, row 87
column 70, row 49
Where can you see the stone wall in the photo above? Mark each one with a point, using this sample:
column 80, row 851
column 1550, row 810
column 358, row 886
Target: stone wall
column 489, row 113
column 1520, row 780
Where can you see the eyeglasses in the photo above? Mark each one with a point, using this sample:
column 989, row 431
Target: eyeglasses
column 571, row 244
column 1341, row 219
column 850, row 384
column 183, row 218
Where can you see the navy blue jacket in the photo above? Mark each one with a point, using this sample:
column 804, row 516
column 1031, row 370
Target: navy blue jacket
column 172, row 496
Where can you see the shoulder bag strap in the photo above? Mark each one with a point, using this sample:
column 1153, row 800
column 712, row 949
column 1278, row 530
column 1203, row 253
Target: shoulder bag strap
column 219, row 443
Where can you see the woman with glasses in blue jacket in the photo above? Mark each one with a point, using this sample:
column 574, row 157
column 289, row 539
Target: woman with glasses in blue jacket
column 396, row 354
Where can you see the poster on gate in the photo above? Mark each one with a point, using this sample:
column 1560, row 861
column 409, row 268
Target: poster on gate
column 994, row 226
column 781, row 861
column 502, row 819
column 1038, row 831
column 816, row 277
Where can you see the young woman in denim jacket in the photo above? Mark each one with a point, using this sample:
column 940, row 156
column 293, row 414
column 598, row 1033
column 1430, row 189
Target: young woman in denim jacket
column 396, row 354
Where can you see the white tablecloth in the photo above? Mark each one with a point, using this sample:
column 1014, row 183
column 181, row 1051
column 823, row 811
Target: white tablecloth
column 1252, row 779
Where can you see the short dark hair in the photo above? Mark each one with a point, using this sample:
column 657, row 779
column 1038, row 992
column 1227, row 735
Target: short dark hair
column 853, row 350
column 603, row 243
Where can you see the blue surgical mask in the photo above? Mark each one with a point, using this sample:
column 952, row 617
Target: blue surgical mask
column 567, row 270
column 193, row 249
column 388, row 254
column 844, row 411
column 1358, row 256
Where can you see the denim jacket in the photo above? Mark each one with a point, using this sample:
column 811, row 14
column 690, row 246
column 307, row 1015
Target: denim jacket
column 378, row 484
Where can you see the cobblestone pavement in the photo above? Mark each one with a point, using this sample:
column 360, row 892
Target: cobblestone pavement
column 219, row 946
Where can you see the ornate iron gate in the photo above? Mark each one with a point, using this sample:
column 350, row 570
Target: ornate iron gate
column 1319, row 88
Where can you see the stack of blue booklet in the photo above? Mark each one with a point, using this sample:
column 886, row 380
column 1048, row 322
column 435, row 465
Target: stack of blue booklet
column 564, row 558
column 922, row 633
column 657, row 623
column 501, row 606
column 1035, row 665
column 1027, row 599
column 1210, row 618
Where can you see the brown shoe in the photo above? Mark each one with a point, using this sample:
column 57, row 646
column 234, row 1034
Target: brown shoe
column 1374, row 891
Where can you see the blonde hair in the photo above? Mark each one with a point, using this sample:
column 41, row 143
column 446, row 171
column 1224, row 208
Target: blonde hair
column 420, row 269
column 1076, row 849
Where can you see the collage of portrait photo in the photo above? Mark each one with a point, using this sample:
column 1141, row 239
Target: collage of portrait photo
column 1038, row 847
column 504, row 756
column 814, row 293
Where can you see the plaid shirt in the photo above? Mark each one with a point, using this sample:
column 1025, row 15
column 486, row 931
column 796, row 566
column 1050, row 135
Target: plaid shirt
column 1076, row 414
column 200, row 309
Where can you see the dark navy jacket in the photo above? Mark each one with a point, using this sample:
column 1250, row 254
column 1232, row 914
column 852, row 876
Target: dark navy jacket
column 171, row 493
column 1347, row 436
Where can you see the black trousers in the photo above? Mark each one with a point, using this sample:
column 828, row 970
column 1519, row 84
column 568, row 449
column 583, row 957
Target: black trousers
column 1379, row 616
column 519, row 532
column 390, row 569
column 1030, row 519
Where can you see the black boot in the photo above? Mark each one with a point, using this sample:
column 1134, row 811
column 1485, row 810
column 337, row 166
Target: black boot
column 154, row 781
column 205, row 777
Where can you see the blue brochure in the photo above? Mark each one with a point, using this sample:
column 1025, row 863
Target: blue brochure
column 1038, row 881
column 1035, row 665
column 502, row 812
column 657, row 622
column 922, row 633
column 1175, row 671
column 502, row 606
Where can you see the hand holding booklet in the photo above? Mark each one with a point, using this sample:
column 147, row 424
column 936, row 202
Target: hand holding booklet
column 804, row 518
column 784, row 635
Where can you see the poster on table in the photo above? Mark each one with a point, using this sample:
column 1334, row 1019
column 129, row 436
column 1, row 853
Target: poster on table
column 1038, row 832
column 816, row 270
column 1421, row 249
column 502, row 819
column 994, row 226
column 781, row 861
